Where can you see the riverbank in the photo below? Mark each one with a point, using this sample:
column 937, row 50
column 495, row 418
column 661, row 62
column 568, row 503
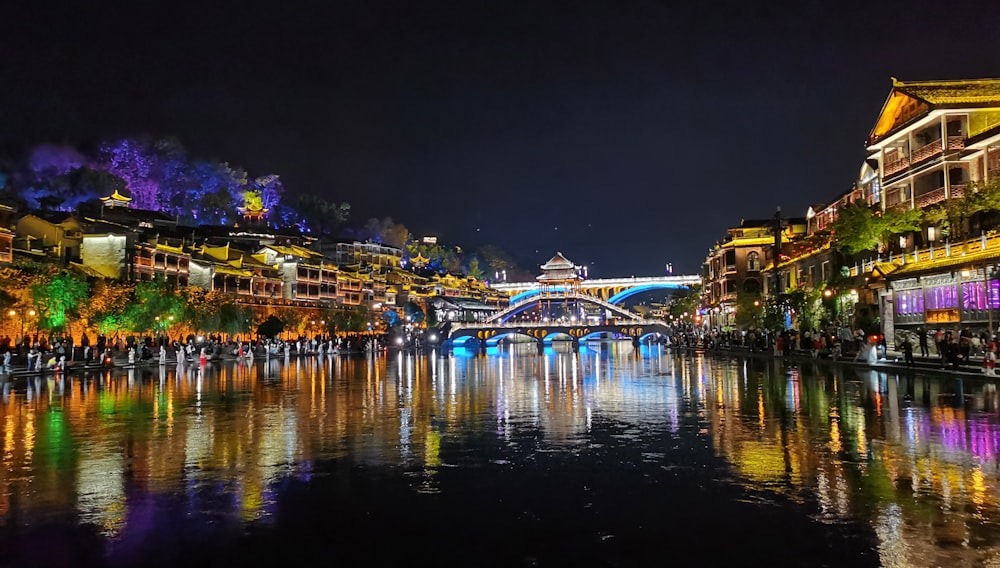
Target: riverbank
column 893, row 361
column 122, row 363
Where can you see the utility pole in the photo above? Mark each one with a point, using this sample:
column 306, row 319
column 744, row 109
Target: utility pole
column 989, row 299
column 776, row 252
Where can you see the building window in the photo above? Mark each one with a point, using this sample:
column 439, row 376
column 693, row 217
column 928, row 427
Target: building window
column 909, row 302
column 730, row 261
column 753, row 261
column 941, row 297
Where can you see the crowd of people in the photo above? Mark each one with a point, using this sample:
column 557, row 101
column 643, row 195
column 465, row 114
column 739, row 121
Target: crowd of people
column 39, row 352
column 953, row 348
column 832, row 342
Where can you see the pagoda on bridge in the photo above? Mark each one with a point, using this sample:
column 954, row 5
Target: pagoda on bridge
column 560, row 271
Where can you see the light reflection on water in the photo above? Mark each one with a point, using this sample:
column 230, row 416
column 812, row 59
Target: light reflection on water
column 914, row 458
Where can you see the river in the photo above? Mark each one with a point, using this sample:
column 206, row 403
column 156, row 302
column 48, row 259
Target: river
column 609, row 456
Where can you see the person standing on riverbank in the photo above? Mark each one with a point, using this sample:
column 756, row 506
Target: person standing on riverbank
column 922, row 340
column 908, row 351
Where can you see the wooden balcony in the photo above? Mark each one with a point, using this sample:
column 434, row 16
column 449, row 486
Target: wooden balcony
column 930, row 198
column 923, row 153
column 897, row 199
column 895, row 166
column 926, row 152
column 938, row 195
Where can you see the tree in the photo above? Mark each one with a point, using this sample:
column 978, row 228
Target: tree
column 685, row 301
column 860, row 227
column 475, row 270
column 414, row 314
column 807, row 306
column 271, row 327
column 774, row 314
column 132, row 159
column 953, row 215
column 233, row 318
column 215, row 205
column 58, row 299
column 354, row 318
column 495, row 259
column 155, row 306
column 106, row 306
column 386, row 231
column 749, row 310
column 270, row 189
column 320, row 215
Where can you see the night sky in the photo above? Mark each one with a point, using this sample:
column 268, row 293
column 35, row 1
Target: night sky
column 625, row 134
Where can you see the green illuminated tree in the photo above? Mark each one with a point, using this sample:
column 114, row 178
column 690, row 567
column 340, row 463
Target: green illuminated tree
column 234, row 319
column 155, row 306
column 807, row 306
column 106, row 307
column 59, row 299
column 953, row 215
column 749, row 310
column 773, row 316
column 685, row 300
column 475, row 269
column 860, row 228
column 354, row 318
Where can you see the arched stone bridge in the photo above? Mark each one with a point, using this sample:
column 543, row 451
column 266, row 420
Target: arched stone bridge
column 484, row 334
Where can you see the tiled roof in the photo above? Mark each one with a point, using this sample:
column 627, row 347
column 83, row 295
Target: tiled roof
column 225, row 269
column 558, row 262
column 294, row 250
column 962, row 92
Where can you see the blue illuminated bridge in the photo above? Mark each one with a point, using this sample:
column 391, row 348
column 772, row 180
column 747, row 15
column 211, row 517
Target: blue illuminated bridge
column 614, row 290
column 584, row 312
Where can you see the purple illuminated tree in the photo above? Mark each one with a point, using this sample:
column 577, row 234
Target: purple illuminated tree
column 48, row 161
column 133, row 159
column 270, row 188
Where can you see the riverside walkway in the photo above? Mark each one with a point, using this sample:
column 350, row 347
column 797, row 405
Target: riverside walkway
column 893, row 361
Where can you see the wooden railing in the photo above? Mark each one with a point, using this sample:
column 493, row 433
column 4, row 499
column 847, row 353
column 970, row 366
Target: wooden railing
column 925, row 152
column 930, row 198
column 895, row 199
column 896, row 166
column 922, row 153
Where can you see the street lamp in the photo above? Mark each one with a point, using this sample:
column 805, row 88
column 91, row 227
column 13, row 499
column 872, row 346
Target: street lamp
column 23, row 316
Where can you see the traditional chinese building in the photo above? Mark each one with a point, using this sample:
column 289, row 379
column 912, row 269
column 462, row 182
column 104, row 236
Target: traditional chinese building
column 559, row 272
column 306, row 274
column 56, row 235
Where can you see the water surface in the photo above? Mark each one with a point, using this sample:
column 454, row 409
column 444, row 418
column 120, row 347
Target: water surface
column 605, row 457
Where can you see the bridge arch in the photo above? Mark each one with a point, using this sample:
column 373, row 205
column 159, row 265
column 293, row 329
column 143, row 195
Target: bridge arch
column 629, row 292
